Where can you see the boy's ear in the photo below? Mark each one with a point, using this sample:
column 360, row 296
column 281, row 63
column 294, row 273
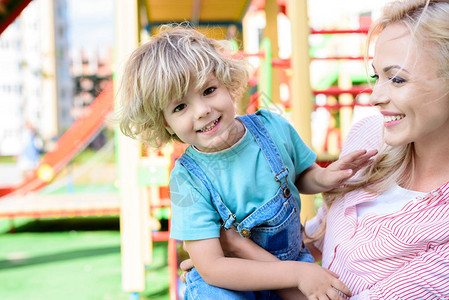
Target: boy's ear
column 169, row 130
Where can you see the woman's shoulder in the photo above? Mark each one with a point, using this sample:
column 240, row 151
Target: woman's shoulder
column 365, row 134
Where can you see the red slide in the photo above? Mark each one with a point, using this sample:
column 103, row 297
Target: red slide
column 72, row 141
column 11, row 9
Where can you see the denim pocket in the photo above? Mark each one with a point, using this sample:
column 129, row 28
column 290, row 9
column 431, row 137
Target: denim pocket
column 281, row 235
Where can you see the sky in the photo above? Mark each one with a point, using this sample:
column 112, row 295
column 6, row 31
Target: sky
column 91, row 24
column 332, row 11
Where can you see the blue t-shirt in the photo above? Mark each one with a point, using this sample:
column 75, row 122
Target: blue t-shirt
column 241, row 175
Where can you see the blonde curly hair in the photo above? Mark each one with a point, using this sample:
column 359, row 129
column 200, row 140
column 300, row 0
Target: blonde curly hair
column 162, row 70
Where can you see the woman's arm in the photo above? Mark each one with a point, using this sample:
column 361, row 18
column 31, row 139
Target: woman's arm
column 250, row 275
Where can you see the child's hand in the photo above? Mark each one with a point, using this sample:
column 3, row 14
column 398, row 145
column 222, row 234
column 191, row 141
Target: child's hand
column 337, row 173
column 186, row 266
column 316, row 282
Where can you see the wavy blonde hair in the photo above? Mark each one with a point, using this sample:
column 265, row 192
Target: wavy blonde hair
column 428, row 22
column 163, row 69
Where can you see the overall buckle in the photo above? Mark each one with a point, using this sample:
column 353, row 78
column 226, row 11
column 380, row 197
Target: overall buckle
column 244, row 232
column 286, row 190
column 232, row 217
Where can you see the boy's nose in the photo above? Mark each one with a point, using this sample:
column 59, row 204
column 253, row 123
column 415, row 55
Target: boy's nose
column 202, row 109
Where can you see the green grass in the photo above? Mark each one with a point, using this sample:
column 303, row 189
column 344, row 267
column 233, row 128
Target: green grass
column 77, row 258
column 7, row 160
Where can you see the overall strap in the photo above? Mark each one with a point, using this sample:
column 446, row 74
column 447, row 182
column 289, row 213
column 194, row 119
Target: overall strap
column 269, row 149
column 227, row 216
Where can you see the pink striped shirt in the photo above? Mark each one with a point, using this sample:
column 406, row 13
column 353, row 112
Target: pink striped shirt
column 401, row 255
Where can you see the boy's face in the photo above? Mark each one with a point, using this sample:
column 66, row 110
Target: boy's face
column 204, row 118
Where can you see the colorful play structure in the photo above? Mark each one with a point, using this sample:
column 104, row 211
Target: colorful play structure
column 144, row 172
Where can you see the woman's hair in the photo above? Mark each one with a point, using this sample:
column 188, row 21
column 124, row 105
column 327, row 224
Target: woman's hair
column 428, row 22
column 162, row 70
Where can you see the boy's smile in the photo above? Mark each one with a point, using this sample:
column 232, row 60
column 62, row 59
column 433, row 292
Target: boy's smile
column 205, row 117
column 211, row 127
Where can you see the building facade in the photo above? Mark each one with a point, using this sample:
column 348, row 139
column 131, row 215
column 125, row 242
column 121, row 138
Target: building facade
column 35, row 82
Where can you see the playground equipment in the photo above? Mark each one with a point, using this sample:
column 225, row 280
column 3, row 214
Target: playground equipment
column 70, row 143
column 144, row 174
column 340, row 98
column 17, row 200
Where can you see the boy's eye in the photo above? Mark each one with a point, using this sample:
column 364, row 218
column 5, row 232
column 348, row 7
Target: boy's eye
column 179, row 107
column 209, row 90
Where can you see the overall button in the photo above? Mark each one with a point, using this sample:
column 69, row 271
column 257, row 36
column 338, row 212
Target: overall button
column 246, row 233
column 287, row 192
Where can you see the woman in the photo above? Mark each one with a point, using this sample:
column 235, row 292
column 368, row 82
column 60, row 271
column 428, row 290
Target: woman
column 387, row 231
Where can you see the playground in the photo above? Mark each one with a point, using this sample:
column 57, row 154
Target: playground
column 76, row 258
column 99, row 228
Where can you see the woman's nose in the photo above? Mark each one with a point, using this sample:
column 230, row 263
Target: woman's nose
column 379, row 95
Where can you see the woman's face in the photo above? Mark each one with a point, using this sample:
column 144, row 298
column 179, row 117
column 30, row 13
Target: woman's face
column 408, row 92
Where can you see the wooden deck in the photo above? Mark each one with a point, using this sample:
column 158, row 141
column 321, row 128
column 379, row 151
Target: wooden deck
column 61, row 205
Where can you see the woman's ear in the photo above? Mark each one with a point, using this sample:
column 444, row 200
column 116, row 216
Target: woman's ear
column 169, row 130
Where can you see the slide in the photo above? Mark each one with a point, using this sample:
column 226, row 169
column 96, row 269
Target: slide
column 70, row 143
column 10, row 10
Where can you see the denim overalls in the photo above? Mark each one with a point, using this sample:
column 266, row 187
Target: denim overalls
column 275, row 226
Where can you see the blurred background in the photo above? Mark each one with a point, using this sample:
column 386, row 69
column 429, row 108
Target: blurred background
column 84, row 213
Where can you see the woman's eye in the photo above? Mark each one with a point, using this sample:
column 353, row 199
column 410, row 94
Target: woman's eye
column 209, row 90
column 375, row 77
column 179, row 107
column 397, row 80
